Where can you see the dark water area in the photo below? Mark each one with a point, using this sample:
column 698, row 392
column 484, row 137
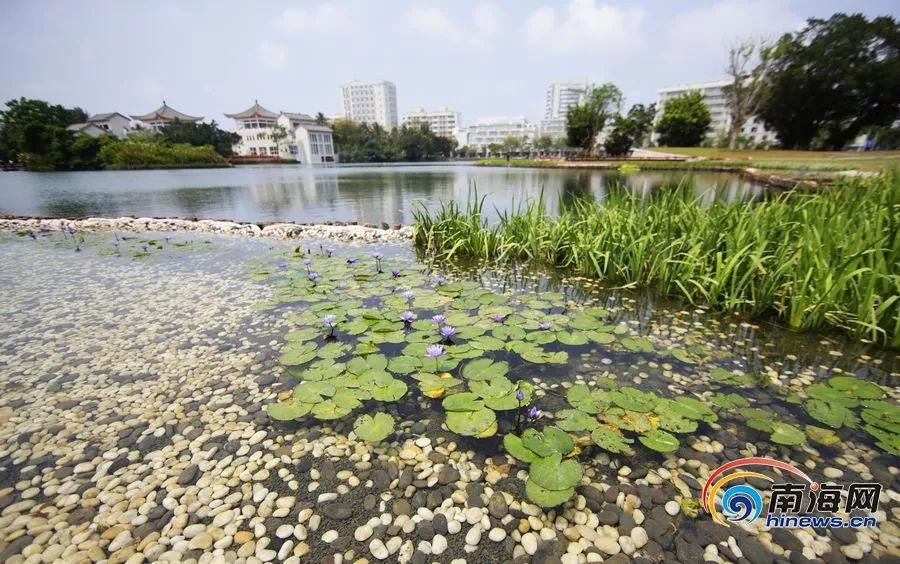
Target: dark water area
column 365, row 194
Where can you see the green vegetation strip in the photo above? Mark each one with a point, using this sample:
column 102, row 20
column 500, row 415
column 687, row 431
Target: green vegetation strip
column 814, row 261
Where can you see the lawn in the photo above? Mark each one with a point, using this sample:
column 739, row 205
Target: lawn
column 868, row 160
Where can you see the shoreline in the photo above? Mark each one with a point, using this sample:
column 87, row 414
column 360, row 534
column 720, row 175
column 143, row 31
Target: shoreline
column 275, row 230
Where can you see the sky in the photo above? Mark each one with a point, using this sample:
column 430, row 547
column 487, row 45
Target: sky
column 482, row 58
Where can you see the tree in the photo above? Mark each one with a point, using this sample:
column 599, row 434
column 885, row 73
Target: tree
column 201, row 134
column 743, row 95
column 543, row 144
column 585, row 121
column 38, row 121
column 320, row 119
column 684, row 122
column 641, row 118
column 512, row 144
column 279, row 134
column 828, row 82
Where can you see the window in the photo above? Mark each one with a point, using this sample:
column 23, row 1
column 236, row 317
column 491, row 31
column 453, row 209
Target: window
column 253, row 151
column 273, row 151
column 293, row 149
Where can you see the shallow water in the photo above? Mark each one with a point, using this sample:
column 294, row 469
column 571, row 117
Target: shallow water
column 136, row 379
column 366, row 194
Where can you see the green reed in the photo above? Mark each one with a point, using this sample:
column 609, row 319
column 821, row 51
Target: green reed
column 830, row 259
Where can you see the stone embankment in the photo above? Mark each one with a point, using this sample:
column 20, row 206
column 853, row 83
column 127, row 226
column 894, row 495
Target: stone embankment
column 285, row 231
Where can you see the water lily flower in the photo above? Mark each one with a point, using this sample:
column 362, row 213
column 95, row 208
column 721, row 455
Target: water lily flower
column 351, row 260
column 307, row 261
column 439, row 318
column 408, row 296
column 329, row 320
column 447, row 332
column 377, row 256
column 282, row 265
column 168, row 238
column 439, row 280
column 499, row 318
column 520, row 395
column 330, row 251
column 32, row 234
column 395, row 273
column 545, row 326
column 45, row 229
column 406, row 316
column 312, row 276
column 534, row 412
column 434, row 351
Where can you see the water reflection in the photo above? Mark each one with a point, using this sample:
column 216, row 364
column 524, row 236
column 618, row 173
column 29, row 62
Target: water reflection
column 366, row 194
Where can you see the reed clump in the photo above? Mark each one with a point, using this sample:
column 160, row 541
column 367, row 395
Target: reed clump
column 829, row 259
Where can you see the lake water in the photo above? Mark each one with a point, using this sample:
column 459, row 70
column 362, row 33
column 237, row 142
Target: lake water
column 366, row 194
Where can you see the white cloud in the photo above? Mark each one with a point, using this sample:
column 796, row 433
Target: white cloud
column 326, row 17
column 431, row 21
column 272, row 55
column 705, row 34
column 585, row 26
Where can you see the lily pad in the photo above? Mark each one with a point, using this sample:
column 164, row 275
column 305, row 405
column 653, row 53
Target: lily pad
column 288, row 410
column 374, row 429
column 471, row 423
column 514, row 446
column 785, row 434
column 484, row 369
column 660, row 441
column 611, row 439
column 574, row 420
column 554, row 473
column 547, row 498
column 545, row 443
column 465, row 401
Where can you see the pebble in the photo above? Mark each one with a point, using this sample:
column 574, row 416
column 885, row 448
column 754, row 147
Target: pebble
column 673, row 508
column 529, row 543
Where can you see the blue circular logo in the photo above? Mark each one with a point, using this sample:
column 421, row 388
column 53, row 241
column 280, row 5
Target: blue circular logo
column 742, row 503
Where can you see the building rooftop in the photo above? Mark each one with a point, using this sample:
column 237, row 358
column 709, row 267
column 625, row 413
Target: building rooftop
column 298, row 117
column 695, row 86
column 254, row 111
column 165, row 112
column 80, row 127
column 106, row 117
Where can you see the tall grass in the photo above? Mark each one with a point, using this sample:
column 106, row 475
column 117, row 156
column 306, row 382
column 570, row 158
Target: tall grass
column 830, row 259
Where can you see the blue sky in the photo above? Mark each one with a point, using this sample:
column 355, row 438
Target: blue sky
column 483, row 58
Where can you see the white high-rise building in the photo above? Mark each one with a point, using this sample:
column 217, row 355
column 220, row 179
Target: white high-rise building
column 442, row 121
column 370, row 102
column 562, row 95
column 714, row 98
column 494, row 130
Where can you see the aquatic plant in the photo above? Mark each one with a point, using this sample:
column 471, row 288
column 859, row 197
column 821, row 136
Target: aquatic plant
column 407, row 316
column 377, row 257
column 447, row 332
column 813, row 260
column 395, row 272
column 329, row 321
column 438, row 319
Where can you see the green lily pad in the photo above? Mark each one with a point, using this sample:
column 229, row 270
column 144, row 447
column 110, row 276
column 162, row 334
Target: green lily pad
column 660, row 441
column 822, row 436
column 571, row 338
column 476, row 423
column 393, row 391
column 466, row 401
column 637, row 344
column 632, row 399
column 574, row 420
column 785, row 434
column 404, row 364
column 328, row 410
column 855, row 387
column 600, row 337
column 484, row 369
column 729, row 401
column 554, row 473
column 514, row 447
column 590, row 401
column 547, row 498
column 493, row 388
column 304, row 334
column 692, row 408
column 831, row 414
column 373, row 429
column 288, row 410
column 545, row 443
column 611, row 440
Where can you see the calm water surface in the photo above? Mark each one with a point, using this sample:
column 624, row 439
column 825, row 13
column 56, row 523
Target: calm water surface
column 370, row 194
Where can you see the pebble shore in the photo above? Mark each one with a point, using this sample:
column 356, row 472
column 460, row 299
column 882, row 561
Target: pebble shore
column 133, row 429
column 282, row 231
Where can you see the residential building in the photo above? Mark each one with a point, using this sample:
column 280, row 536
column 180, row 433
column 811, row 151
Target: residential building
column 562, row 95
column 370, row 102
column 303, row 139
column 164, row 115
column 104, row 124
column 442, row 121
column 91, row 129
column 714, row 97
column 487, row 131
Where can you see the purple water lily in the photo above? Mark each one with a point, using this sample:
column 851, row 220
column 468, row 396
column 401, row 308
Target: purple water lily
column 439, row 280
column 545, row 326
column 306, row 263
column 168, row 238
column 395, row 273
column 520, row 395
column 434, row 351
column 499, row 318
column 145, row 249
column 439, row 318
column 312, row 277
column 534, row 412
column 406, row 316
column 330, row 251
column 447, row 332
column 32, row 234
column 329, row 321
column 282, row 265
column 408, row 296
column 351, row 260
column 377, row 257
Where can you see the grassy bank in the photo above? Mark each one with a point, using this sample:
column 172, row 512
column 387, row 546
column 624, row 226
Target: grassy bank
column 814, row 261
column 786, row 159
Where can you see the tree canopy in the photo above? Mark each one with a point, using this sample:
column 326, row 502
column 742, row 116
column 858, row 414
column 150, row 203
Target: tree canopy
column 200, row 134
column 830, row 81
column 365, row 143
column 585, row 121
column 630, row 130
column 684, row 122
column 37, row 127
